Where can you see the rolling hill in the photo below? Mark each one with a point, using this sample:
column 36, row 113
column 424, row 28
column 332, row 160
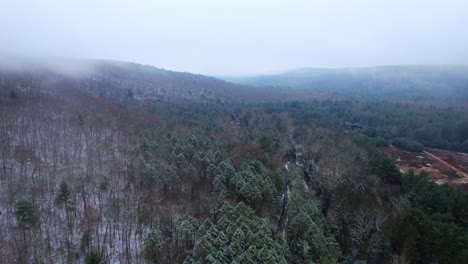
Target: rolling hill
column 120, row 80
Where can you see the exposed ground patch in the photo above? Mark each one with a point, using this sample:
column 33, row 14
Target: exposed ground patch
column 442, row 165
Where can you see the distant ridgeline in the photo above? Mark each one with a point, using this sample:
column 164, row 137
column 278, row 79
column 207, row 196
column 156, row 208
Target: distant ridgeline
column 433, row 83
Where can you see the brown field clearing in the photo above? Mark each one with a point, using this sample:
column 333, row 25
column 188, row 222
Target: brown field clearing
column 442, row 165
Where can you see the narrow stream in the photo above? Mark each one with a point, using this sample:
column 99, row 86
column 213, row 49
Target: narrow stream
column 286, row 197
column 285, row 201
column 307, row 167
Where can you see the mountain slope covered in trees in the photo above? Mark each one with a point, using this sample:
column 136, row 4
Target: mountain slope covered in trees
column 121, row 80
column 127, row 163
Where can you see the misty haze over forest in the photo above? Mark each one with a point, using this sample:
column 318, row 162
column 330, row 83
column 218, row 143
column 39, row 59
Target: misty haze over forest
column 240, row 37
column 234, row 132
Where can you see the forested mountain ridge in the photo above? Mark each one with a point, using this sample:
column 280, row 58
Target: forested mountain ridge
column 96, row 168
column 121, row 80
column 419, row 82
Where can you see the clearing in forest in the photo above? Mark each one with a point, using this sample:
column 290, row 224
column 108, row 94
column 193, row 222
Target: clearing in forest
column 442, row 165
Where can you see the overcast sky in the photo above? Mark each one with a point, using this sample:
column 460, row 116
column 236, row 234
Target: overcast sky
column 240, row 36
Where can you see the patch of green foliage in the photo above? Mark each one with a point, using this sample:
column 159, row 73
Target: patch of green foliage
column 434, row 229
column 239, row 236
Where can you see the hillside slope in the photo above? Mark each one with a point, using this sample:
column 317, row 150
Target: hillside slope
column 120, row 80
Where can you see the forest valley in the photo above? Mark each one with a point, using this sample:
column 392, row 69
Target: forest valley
column 132, row 164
